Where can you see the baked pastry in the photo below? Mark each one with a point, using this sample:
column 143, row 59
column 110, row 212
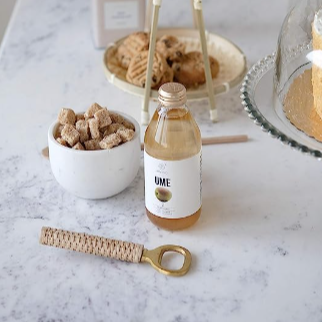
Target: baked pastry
column 136, row 74
column 317, row 63
column 190, row 70
column 171, row 48
column 166, row 78
column 131, row 46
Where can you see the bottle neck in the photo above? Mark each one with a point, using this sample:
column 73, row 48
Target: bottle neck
column 172, row 107
column 173, row 111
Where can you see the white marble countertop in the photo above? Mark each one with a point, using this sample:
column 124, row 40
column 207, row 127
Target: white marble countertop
column 257, row 247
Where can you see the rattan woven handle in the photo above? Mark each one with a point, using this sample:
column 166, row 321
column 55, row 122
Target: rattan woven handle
column 81, row 242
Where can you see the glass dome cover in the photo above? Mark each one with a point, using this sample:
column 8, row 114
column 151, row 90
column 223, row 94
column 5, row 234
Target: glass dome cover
column 292, row 111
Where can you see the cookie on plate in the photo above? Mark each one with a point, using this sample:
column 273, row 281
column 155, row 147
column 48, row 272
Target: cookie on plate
column 136, row 74
column 166, row 78
column 171, row 48
column 190, row 71
column 131, row 46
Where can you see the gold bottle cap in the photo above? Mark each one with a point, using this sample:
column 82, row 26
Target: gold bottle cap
column 172, row 94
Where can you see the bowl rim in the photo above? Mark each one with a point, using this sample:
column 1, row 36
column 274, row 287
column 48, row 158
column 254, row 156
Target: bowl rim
column 119, row 147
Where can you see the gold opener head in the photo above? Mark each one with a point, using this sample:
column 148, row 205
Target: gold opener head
column 154, row 257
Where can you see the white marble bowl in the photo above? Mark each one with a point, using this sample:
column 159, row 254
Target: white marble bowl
column 95, row 174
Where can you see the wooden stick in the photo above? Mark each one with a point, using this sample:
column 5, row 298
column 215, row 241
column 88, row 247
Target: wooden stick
column 220, row 140
column 153, row 38
column 205, row 141
column 203, row 41
column 225, row 139
column 148, row 16
column 45, row 152
column 195, row 20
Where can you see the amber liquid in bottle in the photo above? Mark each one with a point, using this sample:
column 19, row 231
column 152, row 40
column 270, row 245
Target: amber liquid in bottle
column 173, row 135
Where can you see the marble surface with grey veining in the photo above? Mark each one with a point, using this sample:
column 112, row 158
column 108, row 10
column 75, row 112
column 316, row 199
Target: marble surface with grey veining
column 257, row 247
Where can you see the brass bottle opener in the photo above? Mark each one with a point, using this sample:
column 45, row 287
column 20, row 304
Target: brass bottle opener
column 120, row 250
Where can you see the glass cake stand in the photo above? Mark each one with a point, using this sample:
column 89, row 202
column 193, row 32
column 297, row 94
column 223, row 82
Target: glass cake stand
column 279, row 92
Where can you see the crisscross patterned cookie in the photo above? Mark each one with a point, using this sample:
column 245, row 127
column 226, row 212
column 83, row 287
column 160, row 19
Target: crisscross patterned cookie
column 131, row 46
column 136, row 73
column 166, row 78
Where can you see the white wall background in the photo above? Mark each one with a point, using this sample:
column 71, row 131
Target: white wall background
column 252, row 10
column 6, row 7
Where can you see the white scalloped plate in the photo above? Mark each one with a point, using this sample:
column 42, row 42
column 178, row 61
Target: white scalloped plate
column 233, row 66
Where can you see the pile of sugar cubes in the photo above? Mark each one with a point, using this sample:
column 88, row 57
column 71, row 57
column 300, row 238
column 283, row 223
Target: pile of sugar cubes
column 96, row 129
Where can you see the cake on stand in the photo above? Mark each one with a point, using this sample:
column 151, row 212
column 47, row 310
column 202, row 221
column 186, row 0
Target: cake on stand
column 282, row 93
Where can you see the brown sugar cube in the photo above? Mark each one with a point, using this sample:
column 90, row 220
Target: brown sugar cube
column 110, row 141
column 116, row 118
column 126, row 134
column 79, row 117
column 103, row 118
column 58, row 131
column 94, row 129
column 83, row 130
column 92, row 110
column 67, row 116
column 70, row 134
column 92, row 145
column 128, row 125
column 113, row 128
column 102, row 130
column 78, row 146
column 62, row 142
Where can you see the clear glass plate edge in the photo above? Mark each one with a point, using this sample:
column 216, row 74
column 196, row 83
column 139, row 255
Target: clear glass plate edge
column 248, row 88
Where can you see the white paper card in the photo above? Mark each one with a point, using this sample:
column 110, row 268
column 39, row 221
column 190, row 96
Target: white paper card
column 121, row 15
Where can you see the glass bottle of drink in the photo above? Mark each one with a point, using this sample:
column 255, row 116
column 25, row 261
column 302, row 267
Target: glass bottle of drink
column 172, row 162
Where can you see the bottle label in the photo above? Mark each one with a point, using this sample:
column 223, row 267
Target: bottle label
column 173, row 189
column 121, row 15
